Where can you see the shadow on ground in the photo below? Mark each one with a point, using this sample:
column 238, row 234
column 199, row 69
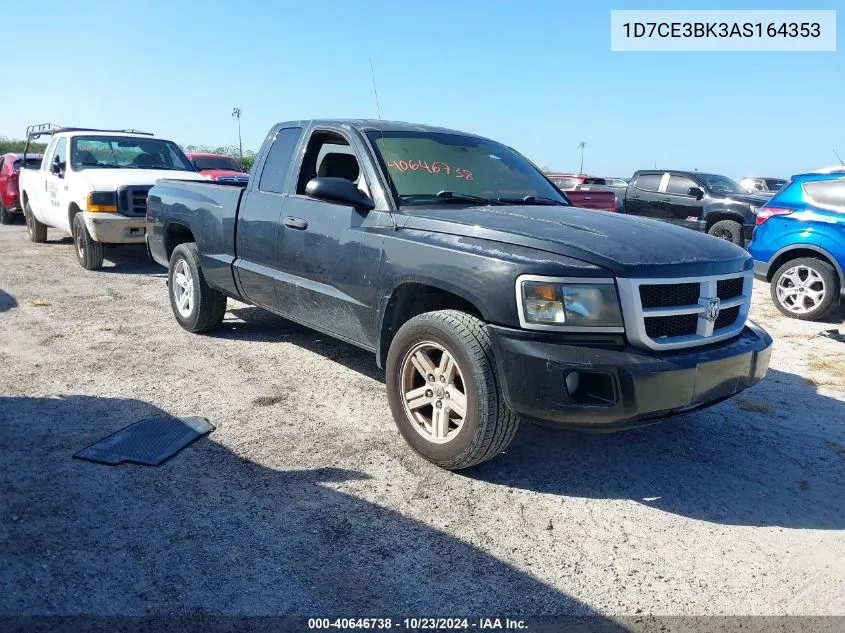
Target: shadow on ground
column 255, row 324
column 210, row 532
column 782, row 463
column 781, row 467
column 7, row 301
column 131, row 259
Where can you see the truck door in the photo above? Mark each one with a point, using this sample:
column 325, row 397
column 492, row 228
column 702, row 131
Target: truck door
column 681, row 208
column 55, row 208
column 258, row 266
column 328, row 253
column 37, row 189
column 644, row 198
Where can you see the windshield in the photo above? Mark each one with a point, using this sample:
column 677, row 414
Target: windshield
column 126, row 152
column 216, row 162
column 720, row 184
column 422, row 165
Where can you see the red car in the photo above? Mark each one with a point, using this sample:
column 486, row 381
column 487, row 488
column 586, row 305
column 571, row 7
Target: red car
column 219, row 167
column 10, row 166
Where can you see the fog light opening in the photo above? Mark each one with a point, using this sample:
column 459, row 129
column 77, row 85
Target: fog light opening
column 590, row 388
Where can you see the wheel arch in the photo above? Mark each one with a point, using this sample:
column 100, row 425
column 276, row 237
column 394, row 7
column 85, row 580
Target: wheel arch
column 717, row 215
column 411, row 298
column 804, row 250
column 176, row 234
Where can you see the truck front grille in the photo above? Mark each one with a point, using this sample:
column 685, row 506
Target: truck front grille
column 133, row 200
column 665, row 314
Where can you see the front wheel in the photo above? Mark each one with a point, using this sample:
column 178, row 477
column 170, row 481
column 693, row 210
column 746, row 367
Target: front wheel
column 89, row 252
column 727, row 230
column 36, row 230
column 805, row 288
column 196, row 305
column 443, row 390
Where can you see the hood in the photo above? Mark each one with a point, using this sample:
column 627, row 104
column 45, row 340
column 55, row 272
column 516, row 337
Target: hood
column 627, row 246
column 223, row 173
column 111, row 179
column 755, row 199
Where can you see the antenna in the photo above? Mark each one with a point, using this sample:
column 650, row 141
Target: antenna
column 837, row 156
column 381, row 127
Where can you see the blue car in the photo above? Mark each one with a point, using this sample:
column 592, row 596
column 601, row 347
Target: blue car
column 799, row 245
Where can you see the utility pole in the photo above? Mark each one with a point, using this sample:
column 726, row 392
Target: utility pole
column 581, row 146
column 236, row 113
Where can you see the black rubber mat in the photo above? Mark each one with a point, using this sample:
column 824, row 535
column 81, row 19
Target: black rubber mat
column 149, row 442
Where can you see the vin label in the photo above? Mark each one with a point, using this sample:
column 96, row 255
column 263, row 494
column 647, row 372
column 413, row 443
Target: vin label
column 723, row 30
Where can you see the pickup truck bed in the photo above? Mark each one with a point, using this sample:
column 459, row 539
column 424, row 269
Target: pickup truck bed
column 483, row 294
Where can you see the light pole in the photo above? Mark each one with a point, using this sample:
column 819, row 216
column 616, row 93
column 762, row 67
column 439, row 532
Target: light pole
column 581, row 146
column 236, row 112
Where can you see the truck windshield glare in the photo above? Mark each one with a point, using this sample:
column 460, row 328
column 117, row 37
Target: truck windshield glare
column 421, row 165
column 111, row 152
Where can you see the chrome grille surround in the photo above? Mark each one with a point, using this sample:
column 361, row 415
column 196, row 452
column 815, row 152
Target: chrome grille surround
column 634, row 315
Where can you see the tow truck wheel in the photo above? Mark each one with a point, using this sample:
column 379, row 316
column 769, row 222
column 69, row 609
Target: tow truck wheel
column 88, row 251
column 196, row 305
column 443, row 391
column 727, row 230
column 36, row 230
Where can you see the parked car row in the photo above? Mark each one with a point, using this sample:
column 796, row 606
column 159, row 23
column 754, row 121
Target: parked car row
column 801, row 253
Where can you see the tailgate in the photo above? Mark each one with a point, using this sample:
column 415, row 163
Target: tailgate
column 602, row 200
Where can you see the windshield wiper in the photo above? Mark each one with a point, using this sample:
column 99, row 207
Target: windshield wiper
column 451, row 196
column 541, row 200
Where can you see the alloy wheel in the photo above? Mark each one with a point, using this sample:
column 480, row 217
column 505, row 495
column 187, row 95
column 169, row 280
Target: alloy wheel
column 800, row 289
column 433, row 392
column 183, row 288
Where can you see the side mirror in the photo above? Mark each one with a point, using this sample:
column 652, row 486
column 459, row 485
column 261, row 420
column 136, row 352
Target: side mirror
column 695, row 192
column 57, row 166
column 338, row 190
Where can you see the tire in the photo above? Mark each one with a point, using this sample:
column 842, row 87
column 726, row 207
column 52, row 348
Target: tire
column 36, row 230
column 487, row 426
column 728, row 230
column 205, row 307
column 5, row 216
column 88, row 251
column 798, row 299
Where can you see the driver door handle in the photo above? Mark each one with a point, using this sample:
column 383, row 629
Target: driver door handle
column 296, row 223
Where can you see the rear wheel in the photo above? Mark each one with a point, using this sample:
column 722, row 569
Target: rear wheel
column 196, row 305
column 728, row 230
column 36, row 230
column 88, row 251
column 443, row 390
column 805, row 288
column 5, row 216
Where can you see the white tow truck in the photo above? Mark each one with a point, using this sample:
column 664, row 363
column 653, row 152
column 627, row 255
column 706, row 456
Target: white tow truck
column 93, row 184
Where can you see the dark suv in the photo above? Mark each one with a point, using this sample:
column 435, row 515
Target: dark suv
column 706, row 202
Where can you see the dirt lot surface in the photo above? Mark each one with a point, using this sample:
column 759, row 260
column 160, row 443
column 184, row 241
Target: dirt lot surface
column 306, row 501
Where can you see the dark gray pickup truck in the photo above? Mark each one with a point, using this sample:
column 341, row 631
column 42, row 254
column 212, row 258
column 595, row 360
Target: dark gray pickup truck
column 484, row 295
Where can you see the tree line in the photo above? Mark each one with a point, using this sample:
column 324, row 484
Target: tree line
column 8, row 145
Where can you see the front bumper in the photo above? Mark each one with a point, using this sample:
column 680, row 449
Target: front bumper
column 643, row 387
column 113, row 228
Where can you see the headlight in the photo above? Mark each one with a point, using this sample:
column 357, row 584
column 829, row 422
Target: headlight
column 102, row 202
column 568, row 304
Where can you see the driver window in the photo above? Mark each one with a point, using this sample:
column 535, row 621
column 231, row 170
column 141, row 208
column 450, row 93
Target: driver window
column 679, row 185
column 61, row 155
column 330, row 155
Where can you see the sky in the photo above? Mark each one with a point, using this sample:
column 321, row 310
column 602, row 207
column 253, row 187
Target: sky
column 537, row 75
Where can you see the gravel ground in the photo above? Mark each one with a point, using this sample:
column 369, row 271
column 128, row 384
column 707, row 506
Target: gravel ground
column 305, row 500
